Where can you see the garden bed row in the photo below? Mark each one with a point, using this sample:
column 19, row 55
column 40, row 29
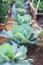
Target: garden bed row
column 21, row 38
column 36, row 16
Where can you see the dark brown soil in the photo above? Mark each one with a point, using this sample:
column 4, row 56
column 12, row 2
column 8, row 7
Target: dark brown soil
column 36, row 55
column 40, row 19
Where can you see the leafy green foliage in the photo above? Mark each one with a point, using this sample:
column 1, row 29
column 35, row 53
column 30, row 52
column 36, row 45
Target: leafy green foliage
column 3, row 56
column 22, row 34
column 20, row 62
column 9, row 1
column 41, row 5
column 3, row 11
column 18, row 58
column 8, row 53
column 24, row 1
column 21, row 11
column 26, row 18
column 41, row 33
column 7, row 50
column 21, row 53
column 22, row 19
column 19, row 4
column 35, row 3
column 19, row 36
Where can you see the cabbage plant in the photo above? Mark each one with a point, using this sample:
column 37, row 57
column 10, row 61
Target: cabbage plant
column 7, row 51
column 22, row 35
column 22, row 19
column 19, row 11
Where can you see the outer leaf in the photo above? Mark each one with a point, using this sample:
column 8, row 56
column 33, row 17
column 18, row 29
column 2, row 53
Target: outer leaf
column 3, row 56
column 21, row 54
column 23, row 62
column 6, row 34
column 20, row 62
column 6, row 63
